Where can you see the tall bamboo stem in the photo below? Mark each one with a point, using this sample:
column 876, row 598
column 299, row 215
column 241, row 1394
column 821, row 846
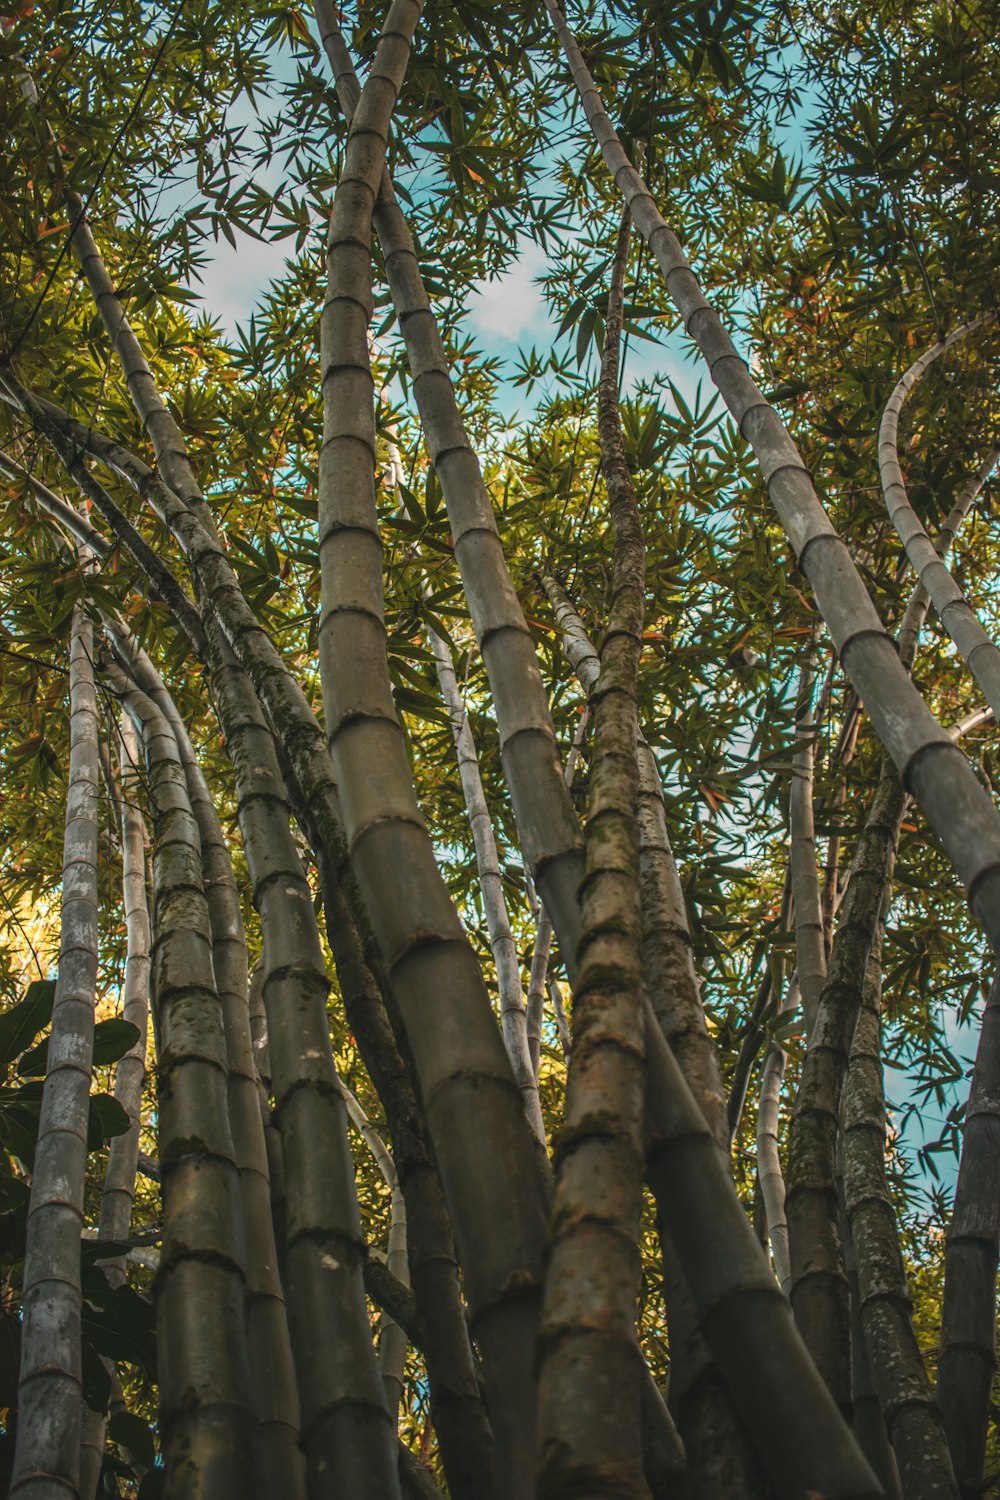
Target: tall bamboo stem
column 47, row 1454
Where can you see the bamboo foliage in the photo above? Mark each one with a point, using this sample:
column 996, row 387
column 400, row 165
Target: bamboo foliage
column 961, row 814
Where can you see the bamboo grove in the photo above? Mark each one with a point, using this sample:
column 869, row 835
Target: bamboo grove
column 502, row 878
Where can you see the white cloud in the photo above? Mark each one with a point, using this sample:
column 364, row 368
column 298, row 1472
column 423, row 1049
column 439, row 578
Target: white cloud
column 511, row 306
column 233, row 282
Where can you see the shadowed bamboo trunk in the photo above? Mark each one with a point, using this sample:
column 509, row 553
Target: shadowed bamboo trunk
column 819, row 1283
column 392, row 1338
column 494, row 1192
column 968, row 1325
column 912, row 1420
column 590, row 1369
column 47, row 1455
column 123, row 1152
column 208, row 1431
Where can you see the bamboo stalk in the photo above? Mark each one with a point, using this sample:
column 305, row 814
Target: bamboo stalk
column 489, row 1176
column 810, row 944
column 913, row 1422
column 123, row 1153
column 590, row 1370
column 769, row 1170
column 208, row 1431
column 968, row 1322
column 977, row 649
column 47, row 1453
column 932, row 767
column 513, row 1011
column 819, row 1286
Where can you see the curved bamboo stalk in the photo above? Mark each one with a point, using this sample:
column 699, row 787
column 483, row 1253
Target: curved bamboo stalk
column 208, row 1431
column 819, row 1286
column 589, row 1424
column 47, row 1453
column 916, row 609
column 513, row 1011
column 769, row 1170
column 977, row 649
column 493, row 1187
column 392, row 1338
column 932, row 767
column 123, row 1153
column 912, row 1420
column 968, row 1322
column 810, row 943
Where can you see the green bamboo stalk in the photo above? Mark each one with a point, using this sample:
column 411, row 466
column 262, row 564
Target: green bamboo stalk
column 590, row 1369
column 968, row 1321
column 912, row 1419
column 543, row 810
column 810, row 943
column 869, row 1425
column 275, row 1397
column 932, row 767
column 819, row 1291
column 208, row 1431
column 976, row 648
column 123, row 1153
column 47, row 1453
column 346, row 1435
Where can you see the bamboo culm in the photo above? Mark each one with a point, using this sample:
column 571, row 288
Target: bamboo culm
column 932, row 767
column 968, row 1323
column 123, row 1152
column 47, row 1453
column 589, row 1427
column 819, row 1286
column 912, row 1419
column 490, row 1175
column 810, row 944
column 208, row 1430
column 769, row 1172
column 976, row 648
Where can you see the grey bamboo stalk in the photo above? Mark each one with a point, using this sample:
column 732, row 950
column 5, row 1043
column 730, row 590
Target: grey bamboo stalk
column 933, row 769
column 47, row 1453
column 769, row 1170
column 589, row 1428
column 206, row 1422
column 490, row 1175
column 547, row 823
column 275, row 1397
column 916, row 609
column 810, row 944
column 968, row 1323
column 819, row 1286
column 392, row 1338
column 513, row 1012
column 913, row 1422
column 123, row 1153
column 869, row 1425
